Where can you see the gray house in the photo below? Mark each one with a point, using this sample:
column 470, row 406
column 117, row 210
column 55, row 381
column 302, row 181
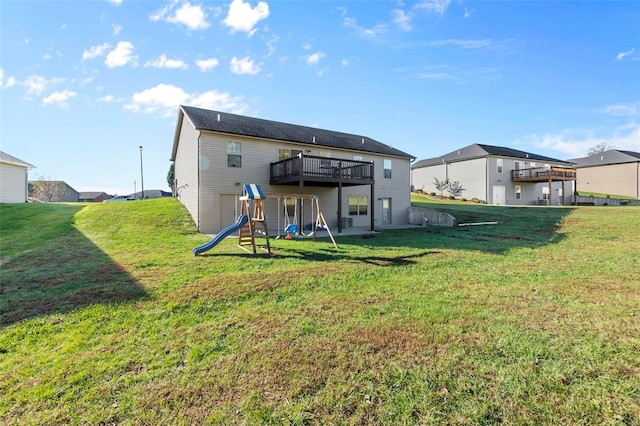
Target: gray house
column 612, row 172
column 13, row 179
column 93, row 197
column 499, row 175
column 53, row 191
column 360, row 182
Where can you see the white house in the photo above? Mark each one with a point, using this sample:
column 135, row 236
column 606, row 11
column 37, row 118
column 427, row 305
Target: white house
column 499, row 175
column 360, row 182
column 13, row 179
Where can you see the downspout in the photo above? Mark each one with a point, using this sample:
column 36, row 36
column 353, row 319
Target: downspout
column 486, row 178
column 198, row 194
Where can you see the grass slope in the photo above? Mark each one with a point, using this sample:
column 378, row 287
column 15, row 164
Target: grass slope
column 106, row 317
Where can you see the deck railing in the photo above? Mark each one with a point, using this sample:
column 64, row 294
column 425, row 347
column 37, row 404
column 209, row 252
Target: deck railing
column 542, row 173
column 309, row 166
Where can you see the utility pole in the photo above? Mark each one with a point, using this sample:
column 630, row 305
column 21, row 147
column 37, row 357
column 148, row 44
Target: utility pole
column 141, row 173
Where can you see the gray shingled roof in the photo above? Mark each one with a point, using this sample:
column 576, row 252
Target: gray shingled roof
column 248, row 126
column 91, row 195
column 613, row 156
column 481, row 150
column 6, row 158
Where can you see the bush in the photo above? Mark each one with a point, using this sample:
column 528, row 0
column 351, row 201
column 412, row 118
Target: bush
column 483, row 202
column 433, row 194
column 451, row 197
column 475, row 200
column 463, row 199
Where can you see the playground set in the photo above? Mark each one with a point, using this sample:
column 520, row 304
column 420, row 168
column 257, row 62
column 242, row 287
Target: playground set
column 254, row 225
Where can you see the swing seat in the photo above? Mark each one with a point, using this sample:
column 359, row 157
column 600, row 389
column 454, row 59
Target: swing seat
column 291, row 229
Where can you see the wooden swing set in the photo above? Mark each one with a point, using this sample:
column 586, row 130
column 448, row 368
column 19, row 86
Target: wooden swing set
column 294, row 227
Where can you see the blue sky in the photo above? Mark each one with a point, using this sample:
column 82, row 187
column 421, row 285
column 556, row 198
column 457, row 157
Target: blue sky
column 84, row 83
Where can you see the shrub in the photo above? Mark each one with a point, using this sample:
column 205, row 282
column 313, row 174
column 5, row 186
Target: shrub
column 463, row 199
column 433, row 194
column 475, row 200
column 451, row 197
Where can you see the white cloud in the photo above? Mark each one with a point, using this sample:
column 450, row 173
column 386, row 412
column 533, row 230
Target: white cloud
column 191, row 16
column 163, row 62
column 577, row 143
column 59, row 98
column 622, row 109
column 117, row 29
column 46, row 56
column 434, row 6
column 63, row 26
column 242, row 17
column 109, row 99
column 306, row 46
column 115, row 2
column 36, row 84
column 314, row 58
column 468, row 12
column 365, row 32
column 345, row 62
column 465, row 44
column 621, row 55
column 164, row 100
column 121, row 55
column 244, row 66
column 401, row 19
column 207, row 64
column 11, row 81
column 95, row 51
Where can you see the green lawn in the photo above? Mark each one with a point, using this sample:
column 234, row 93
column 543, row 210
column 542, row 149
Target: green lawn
column 106, row 317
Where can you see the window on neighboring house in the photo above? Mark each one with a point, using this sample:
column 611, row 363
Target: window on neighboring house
column 499, row 165
column 284, row 153
column 234, row 154
column 387, row 168
column 545, row 192
column 357, row 205
column 518, row 192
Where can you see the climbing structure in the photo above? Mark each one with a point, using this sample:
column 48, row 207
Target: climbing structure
column 256, row 226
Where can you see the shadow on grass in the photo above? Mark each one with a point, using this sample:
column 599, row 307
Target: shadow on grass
column 59, row 270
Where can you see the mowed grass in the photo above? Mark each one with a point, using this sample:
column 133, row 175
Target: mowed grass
column 107, row 318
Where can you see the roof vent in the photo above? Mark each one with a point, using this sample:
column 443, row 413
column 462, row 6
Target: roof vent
column 314, row 139
column 362, row 140
column 458, row 152
column 601, row 157
column 527, row 155
column 218, row 117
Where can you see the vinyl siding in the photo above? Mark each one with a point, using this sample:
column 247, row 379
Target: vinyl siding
column 186, row 168
column 614, row 179
column 216, row 178
column 471, row 175
column 13, row 184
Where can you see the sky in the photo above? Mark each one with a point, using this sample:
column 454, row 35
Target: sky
column 84, row 84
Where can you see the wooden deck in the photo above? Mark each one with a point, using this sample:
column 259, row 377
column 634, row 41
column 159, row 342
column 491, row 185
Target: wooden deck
column 321, row 171
column 543, row 174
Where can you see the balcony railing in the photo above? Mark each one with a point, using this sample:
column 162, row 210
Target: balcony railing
column 542, row 174
column 322, row 169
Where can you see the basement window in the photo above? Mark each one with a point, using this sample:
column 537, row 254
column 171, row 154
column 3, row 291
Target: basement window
column 518, row 192
column 357, row 205
column 234, row 154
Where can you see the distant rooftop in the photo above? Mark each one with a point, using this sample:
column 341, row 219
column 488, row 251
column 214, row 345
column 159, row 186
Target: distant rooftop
column 613, row 156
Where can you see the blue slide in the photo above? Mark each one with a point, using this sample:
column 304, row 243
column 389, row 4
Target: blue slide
column 242, row 220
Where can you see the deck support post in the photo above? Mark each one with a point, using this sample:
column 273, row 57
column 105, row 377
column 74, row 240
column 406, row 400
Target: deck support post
column 340, row 208
column 300, row 202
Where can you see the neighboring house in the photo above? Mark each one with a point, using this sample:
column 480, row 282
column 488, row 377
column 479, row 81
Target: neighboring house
column 499, row 175
column 13, row 179
column 93, row 197
column 358, row 180
column 153, row 193
column 612, row 172
column 53, row 191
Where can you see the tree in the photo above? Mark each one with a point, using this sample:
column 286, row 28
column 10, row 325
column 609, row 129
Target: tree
column 171, row 177
column 45, row 189
column 441, row 185
column 455, row 189
column 600, row 148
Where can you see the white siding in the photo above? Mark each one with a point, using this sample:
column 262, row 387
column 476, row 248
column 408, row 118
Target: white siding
column 13, row 183
column 186, row 169
column 216, row 178
column 471, row 174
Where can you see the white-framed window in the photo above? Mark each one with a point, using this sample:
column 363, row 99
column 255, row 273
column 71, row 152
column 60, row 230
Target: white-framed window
column 545, row 192
column 284, row 153
column 518, row 192
column 533, row 165
column 387, row 168
column 357, row 205
column 358, row 158
column 499, row 165
column 234, row 154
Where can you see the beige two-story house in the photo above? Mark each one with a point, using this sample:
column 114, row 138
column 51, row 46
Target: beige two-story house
column 499, row 175
column 360, row 182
